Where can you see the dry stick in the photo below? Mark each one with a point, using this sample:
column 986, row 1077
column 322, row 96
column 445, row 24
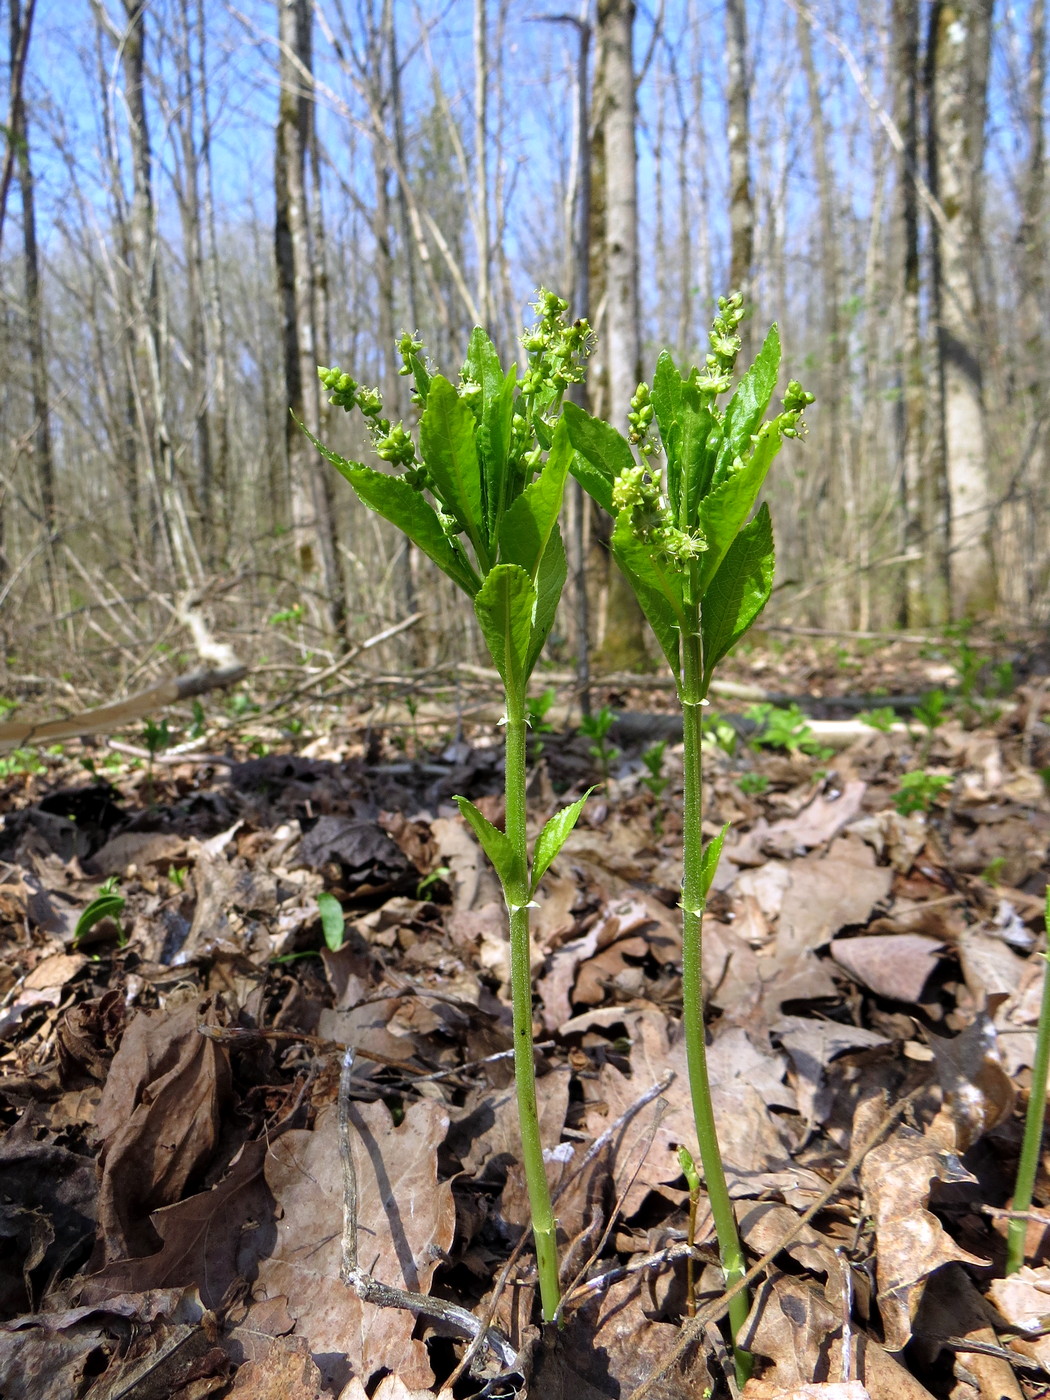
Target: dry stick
column 596, row 1148
column 384, row 1295
column 342, row 663
column 716, row 1310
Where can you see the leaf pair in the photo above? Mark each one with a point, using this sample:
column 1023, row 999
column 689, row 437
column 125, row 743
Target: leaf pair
column 500, row 851
column 716, row 466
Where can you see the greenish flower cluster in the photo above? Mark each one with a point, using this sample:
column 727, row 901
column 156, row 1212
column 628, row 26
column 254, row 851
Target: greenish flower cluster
column 795, row 402
column 557, row 350
column 637, row 491
column 640, row 419
column 390, row 442
column 717, row 377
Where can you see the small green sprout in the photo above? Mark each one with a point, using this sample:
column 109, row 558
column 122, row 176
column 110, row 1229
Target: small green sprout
column 653, row 758
column 107, row 904
column 780, row 727
column 882, row 719
column 751, row 783
column 597, row 727
column 919, row 790
column 333, row 921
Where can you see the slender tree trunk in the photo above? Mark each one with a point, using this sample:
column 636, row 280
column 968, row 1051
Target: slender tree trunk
column 960, row 37
column 481, row 162
column 311, row 504
column 19, row 135
column 623, row 646
column 741, row 206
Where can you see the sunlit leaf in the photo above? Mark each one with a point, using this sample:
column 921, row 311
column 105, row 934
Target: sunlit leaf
column 504, row 607
column 738, row 592
column 553, row 836
column 447, row 442
column 332, row 921
column 493, row 842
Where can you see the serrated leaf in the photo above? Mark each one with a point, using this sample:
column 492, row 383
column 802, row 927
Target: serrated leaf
column 667, row 402
column 504, row 606
column 550, row 580
column 494, row 843
column 447, row 441
column 738, row 592
column 747, row 407
column 601, row 454
column 494, row 423
column 709, row 861
column 553, row 837
column 698, row 437
column 333, row 924
column 657, row 585
column 529, row 521
column 722, row 513
column 104, row 906
column 395, row 500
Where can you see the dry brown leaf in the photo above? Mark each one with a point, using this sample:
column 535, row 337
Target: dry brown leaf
column 818, row 822
column 159, row 1121
column 406, row 1221
column 953, row 1309
column 1023, row 1300
column 896, row 966
column 287, row 1372
column 826, row 894
column 993, row 971
column 896, row 1178
column 829, row 1390
column 978, row 1092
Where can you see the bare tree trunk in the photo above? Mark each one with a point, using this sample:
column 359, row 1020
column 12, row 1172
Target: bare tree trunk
column 919, row 603
column 741, row 206
column 311, row 504
column 960, row 37
column 19, row 136
column 481, row 162
column 21, row 29
column 623, row 646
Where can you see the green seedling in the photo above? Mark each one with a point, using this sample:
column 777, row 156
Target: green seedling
column 882, row 719
column 479, row 491
column 653, row 758
column 107, row 904
column 692, row 1180
column 537, row 709
column 196, row 730
column 1031, row 1143
column 919, row 790
column 439, row 873
column 156, row 738
column 751, row 784
column 931, row 714
column 718, row 729
column 596, row 727
column 784, row 727
column 333, row 922
column 702, row 570
column 21, row 762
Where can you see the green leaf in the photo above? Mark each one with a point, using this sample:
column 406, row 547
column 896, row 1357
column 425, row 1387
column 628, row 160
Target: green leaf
column 395, row 500
column 105, row 906
column 494, row 843
column 657, row 585
column 530, row 520
column 550, row 580
column 553, row 837
column 747, row 407
column 504, row 608
column 332, row 922
column 667, row 401
column 709, row 861
column 494, row 423
column 447, row 442
column 724, row 511
column 698, row 434
column 601, row 454
column 738, row 592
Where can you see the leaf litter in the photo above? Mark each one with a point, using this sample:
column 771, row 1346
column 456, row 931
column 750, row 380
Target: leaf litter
column 173, row 1207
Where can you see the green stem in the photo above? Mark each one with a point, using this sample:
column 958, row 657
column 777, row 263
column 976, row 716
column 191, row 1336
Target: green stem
column 729, row 1247
column 1033, row 1125
column 517, row 896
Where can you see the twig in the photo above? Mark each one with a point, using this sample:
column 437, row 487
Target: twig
column 383, row 1295
column 717, row 1309
column 341, row 664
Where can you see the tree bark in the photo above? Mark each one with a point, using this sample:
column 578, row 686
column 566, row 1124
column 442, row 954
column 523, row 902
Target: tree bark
column 960, row 39
column 741, row 206
column 623, row 645
column 302, row 295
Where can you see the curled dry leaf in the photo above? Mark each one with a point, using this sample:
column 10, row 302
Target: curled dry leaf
column 896, row 1179
column 896, row 966
column 1023, row 1300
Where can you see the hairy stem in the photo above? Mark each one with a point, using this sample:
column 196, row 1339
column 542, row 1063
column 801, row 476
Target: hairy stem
column 729, row 1247
column 517, row 896
column 1033, row 1126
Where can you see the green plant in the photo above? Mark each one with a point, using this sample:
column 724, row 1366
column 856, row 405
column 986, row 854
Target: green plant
column 480, row 494
column 21, row 761
column 440, row 872
column 919, row 790
column 783, row 727
column 753, row 783
column 653, row 758
column 156, row 737
column 333, row 922
column 702, row 570
column 718, row 729
column 537, row 708
column 930, row 712
column 1031, row 1143
column 882, row 719
column 597, row 727
column 107, row 904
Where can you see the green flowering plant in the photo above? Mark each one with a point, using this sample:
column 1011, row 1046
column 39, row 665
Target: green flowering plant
column 701, row 566
column 479, row 490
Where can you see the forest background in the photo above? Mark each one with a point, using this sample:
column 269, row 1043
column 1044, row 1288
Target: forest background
column 200, row 202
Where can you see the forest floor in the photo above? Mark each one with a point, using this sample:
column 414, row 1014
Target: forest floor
column 173, row 1205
